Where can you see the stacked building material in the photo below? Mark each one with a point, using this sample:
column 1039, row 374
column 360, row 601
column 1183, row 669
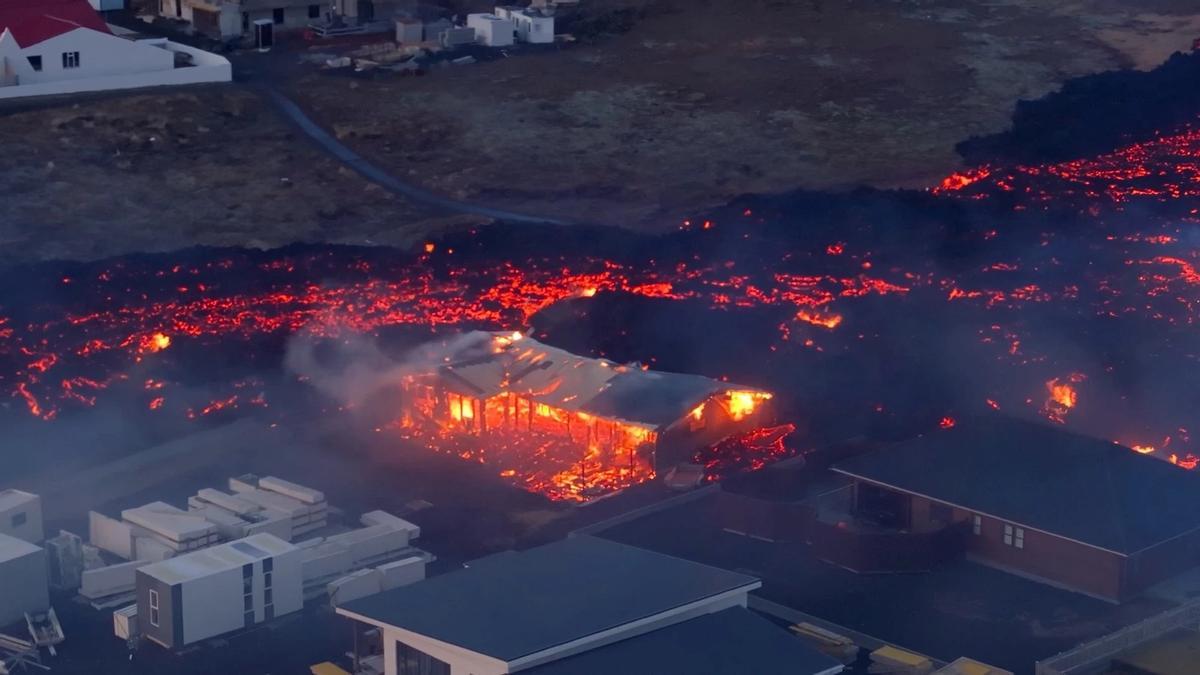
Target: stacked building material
column 175, row 528
column 305, row 508
column 125, row 622
column 64, row 558
column 386, row 538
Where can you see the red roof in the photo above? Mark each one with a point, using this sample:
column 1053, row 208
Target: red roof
column 32, row 21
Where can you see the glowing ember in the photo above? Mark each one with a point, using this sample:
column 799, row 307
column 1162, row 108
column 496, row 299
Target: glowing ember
column 1062, row 397
column 743, row 403
column 947, row 422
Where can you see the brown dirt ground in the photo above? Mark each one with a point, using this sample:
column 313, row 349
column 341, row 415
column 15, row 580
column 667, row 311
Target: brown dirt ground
column 156, row 172
column 701, row 101
column 696, row 105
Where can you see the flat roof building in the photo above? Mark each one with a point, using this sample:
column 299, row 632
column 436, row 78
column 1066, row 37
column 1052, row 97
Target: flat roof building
column 522, row 611
column 217, row 590
column 1077, row 512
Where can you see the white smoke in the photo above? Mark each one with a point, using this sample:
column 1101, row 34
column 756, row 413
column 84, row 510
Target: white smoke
column 352, row 369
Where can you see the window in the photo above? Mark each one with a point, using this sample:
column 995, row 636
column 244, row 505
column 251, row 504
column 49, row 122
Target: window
column 314, row 11
column 277, row 15
column 247, row 586
column 268, row 564
column 410, row 661
column 266, row 579
column 20, row 519
column 247, row 603
column 267, row 596
column 1014, row 536
column 977, row 524
column 248, row 619
column 247, row 571
column 36, row 63
column 70, row 59
column 154, row 608
column 268, row 612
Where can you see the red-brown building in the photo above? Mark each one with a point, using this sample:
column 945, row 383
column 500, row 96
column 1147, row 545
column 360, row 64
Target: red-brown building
column 1068, row 510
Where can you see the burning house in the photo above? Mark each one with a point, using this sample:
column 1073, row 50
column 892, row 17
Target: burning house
column 582, row 425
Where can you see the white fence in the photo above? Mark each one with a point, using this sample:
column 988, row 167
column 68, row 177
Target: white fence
column 1097, row 652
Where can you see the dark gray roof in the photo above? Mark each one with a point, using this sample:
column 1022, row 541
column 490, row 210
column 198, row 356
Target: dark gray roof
column 734, row 640
column 509, row 606
column 1082, row 488
column 652, row 397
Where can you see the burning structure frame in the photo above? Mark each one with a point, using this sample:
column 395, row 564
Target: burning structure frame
column 569, row 426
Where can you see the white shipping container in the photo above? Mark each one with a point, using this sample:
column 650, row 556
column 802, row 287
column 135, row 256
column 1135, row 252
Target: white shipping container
column 21, row 515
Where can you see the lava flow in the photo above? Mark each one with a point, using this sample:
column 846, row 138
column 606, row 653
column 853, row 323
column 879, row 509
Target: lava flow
column 863, row 318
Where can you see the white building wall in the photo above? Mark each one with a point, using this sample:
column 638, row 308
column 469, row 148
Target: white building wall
column 288, row 582
column 23, row 587
column 100, row 55
column 211, row 605
column 23, row 519
column 491, row 30
column 208, row 68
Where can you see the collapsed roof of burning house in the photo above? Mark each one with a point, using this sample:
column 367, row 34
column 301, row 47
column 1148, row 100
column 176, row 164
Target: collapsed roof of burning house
column 575, row 426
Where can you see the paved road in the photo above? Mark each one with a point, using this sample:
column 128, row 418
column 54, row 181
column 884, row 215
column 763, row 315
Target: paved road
column 338, row 150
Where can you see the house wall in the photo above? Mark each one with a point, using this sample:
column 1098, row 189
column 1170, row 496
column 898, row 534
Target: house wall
column 208, row 68
column 1161, row 562
column 23, row 587
column 100, row 55
column 169, row 628
column 1044, row 557
column 211, row 605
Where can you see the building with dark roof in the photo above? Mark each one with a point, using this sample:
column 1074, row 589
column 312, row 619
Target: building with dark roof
column 569, row 602
column 733, row 640
column 1078, row 512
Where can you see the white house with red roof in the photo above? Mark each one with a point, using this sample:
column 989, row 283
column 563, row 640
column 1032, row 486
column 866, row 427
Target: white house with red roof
column 64, row 46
